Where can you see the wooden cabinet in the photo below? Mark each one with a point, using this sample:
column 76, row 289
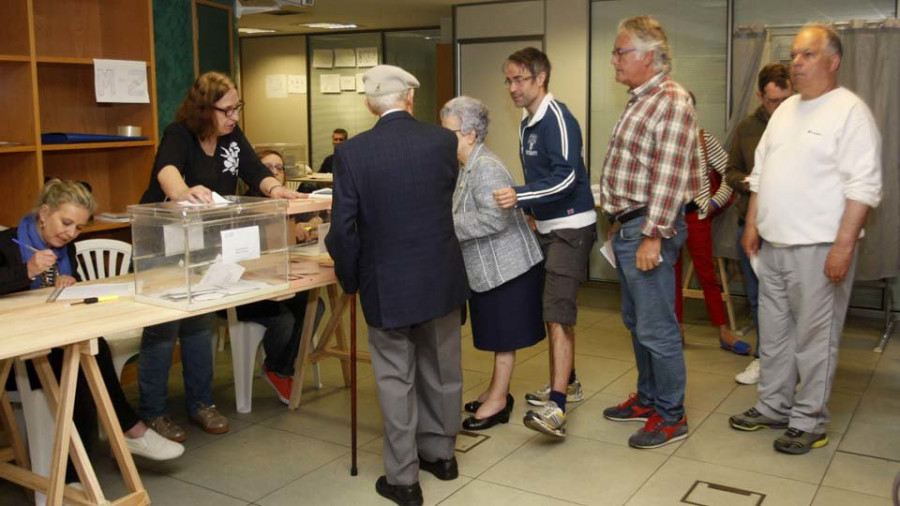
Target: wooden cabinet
column 47, row 49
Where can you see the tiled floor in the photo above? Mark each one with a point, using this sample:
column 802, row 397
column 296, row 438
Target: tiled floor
column 276, row 457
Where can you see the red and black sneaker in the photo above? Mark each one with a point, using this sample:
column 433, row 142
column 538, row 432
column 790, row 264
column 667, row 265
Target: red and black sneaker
column 629, row 411
column 658, row 432
column 280, row 384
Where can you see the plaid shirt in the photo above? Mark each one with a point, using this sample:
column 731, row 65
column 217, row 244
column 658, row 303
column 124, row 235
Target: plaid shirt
column 651, row 160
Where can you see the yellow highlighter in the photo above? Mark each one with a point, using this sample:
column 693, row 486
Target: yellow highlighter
column 94, row 300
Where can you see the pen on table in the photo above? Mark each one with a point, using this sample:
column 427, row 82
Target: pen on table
column 32, row 248
column 94, row 300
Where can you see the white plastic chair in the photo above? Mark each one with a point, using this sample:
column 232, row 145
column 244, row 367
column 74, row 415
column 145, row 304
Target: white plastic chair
column 292, row 185
column 39, row 426
column 98, row 259
column 245, row 338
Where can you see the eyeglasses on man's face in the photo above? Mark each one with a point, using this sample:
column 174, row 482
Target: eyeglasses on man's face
column 619, row 52
column 231, row 111
column 518, row 80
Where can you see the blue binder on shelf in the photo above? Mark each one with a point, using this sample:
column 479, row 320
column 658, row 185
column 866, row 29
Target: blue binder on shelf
column 74, row 138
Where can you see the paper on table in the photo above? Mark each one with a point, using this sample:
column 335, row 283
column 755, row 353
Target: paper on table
column 222, row 274
column 608, row 253
column 97, row 290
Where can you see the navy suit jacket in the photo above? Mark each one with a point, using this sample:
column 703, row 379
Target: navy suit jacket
column 392, row 235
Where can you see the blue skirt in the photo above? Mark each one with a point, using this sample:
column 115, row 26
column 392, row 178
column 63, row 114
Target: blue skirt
column 510, row 316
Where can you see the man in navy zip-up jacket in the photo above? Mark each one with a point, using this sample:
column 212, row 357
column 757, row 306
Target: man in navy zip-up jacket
column 557, row 195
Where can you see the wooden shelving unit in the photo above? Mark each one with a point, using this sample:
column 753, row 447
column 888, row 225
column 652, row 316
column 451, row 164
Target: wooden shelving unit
column 47, row 85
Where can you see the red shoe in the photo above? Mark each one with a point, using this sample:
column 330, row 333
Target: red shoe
column 658, row 432
column 629, row 411
column 280, row 384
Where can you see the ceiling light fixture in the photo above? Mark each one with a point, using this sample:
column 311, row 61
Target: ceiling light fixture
column 251, row 31
column 329, row 26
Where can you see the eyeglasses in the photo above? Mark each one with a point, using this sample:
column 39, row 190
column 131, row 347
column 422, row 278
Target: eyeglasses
column 231, row 111
column 275, row 166
column 619, row 52
column 518, row 80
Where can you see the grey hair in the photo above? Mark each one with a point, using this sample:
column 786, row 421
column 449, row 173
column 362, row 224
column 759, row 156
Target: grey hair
column 472, row 114
column 382, row 103
column 648, row 35
column 834, row 40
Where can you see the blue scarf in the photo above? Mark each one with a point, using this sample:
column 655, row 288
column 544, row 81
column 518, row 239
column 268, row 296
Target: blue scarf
column 28, row 235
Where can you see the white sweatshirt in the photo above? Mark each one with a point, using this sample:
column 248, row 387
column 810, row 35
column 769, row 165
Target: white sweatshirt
column 814, row 155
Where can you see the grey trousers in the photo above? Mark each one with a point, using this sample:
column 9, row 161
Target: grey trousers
column 418, row 374
column 801, row 315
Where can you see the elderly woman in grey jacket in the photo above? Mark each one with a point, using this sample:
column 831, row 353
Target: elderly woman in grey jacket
column 503, row 260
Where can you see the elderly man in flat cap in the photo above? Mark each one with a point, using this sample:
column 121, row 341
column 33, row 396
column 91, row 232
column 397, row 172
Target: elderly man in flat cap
column 392, row 238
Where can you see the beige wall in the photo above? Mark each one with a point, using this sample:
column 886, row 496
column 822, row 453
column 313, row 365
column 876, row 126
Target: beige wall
column 567, row 30
column 273, row 120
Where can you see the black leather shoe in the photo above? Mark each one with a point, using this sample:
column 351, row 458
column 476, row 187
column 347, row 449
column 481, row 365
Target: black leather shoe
column 403, row 495
column 442, row 469
column 502, row 416
column 472, row 406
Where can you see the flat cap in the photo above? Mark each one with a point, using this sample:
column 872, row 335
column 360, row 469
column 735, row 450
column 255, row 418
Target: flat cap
column 387, row 79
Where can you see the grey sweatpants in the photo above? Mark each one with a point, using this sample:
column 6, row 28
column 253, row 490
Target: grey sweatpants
column 801, row 315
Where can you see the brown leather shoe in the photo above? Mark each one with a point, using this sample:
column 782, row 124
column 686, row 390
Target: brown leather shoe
column 210, row 420
column 167, row 429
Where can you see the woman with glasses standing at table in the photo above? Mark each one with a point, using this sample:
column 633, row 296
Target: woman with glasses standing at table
column 203, row 151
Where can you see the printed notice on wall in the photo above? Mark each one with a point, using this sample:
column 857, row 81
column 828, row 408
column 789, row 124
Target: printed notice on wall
column 276, row 86
column 366, row 56
column 360, row 86
column 323, row 59
column 330, row 83
column 348, row 83
column 121, row 81
column 296, row 84
column 344, row 58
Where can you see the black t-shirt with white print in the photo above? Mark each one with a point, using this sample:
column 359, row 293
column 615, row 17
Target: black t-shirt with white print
column 233, row 158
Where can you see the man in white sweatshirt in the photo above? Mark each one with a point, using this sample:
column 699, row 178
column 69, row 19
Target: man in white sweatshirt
column 817, row 174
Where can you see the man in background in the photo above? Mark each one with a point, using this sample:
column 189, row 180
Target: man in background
column 773, row 88
column 337, row 138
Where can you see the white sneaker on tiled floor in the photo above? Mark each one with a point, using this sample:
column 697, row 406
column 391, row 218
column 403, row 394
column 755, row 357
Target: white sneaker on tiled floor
column 750, row 376
column 154, row 447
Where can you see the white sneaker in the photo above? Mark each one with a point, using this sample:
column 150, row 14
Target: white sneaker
column 750, row 376
column 154, row 447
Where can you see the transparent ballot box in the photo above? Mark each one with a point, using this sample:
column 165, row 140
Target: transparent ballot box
column 190, row 257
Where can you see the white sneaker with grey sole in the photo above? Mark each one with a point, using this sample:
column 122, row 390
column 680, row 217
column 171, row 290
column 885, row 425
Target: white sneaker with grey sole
column 154, row 447
column 750, row 376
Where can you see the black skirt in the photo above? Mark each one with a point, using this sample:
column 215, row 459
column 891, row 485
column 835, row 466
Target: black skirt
column 509, row 317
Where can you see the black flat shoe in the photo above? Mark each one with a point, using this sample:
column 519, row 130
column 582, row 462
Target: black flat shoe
column 442, row 469
column 472, row 406
column 502, row 416
column 403, row 495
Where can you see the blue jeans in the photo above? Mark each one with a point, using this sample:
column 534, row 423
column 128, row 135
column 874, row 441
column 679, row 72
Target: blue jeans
column 751, row 286
column 157, row 344
column 648, row 310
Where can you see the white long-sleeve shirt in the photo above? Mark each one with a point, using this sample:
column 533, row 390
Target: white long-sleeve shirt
column 815, row 155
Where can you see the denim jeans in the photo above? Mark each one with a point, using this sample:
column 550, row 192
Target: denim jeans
column 648, row 310
column 751, row 286
column 157, row 344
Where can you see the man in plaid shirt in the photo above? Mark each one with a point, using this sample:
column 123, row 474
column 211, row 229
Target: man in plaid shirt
column 650, row 169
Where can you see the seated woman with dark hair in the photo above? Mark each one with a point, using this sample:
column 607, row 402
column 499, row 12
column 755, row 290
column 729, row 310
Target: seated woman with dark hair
column 39, row 253
column 283, row 320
